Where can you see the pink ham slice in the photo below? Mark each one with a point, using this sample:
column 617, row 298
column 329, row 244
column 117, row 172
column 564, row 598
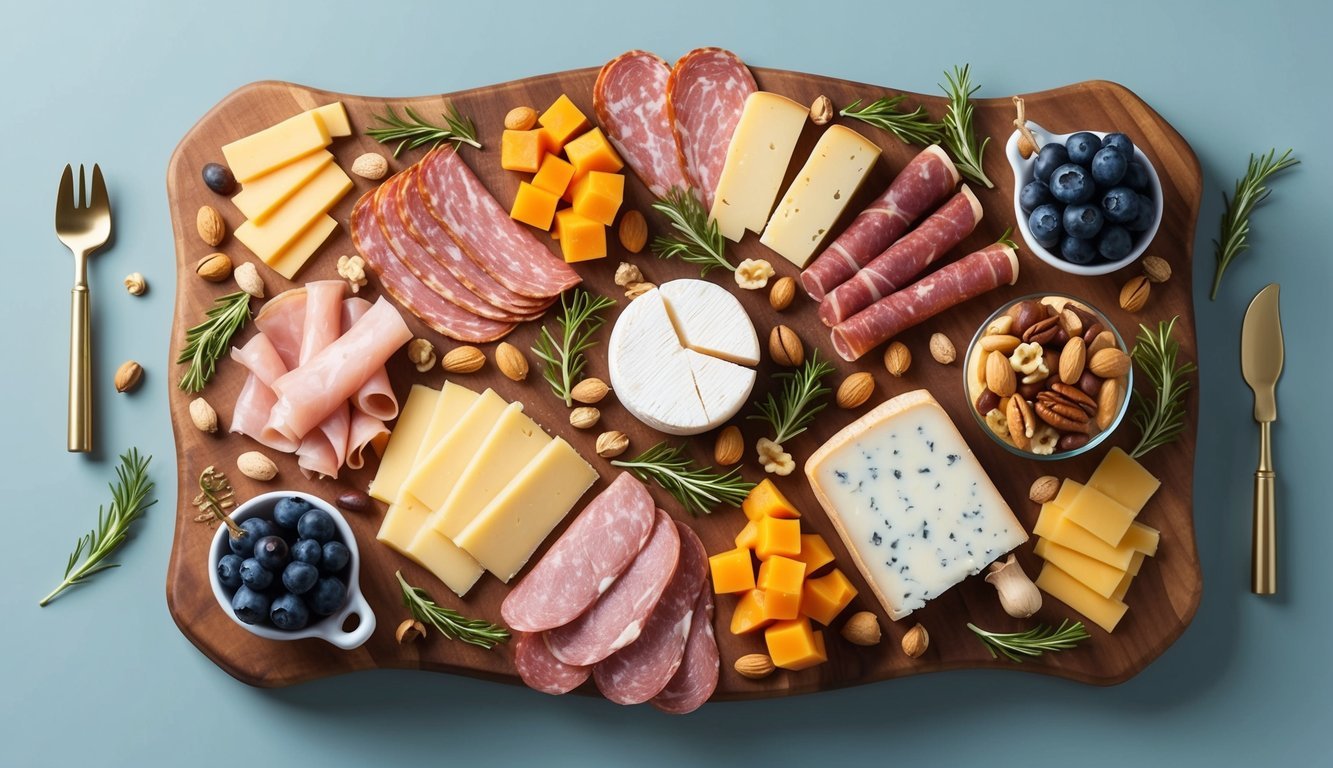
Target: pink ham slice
column 618, row 617
column 256, row 399
column 705, row 95
column 905, row 259
column 630, row 99
column 640, row 670
column 365, row 430
column 503, row 247
column 585, row 561
column 375, row 398
column 696, row 679
column 282, row 320
column 920, row 186
column 540, row 670
column 323, row 451
column 952, row 285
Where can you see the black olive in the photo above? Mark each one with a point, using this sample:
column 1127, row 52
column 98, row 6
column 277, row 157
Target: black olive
column 219, row 178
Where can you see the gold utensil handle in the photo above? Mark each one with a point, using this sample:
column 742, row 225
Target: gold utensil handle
column 1263, row 575
column 80, row 374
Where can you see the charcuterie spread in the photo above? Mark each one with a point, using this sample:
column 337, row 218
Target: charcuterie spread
column 676, row 381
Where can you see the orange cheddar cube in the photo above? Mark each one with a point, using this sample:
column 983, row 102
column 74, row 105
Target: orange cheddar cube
column 765, row 500
column 554, row 175
column 598, row 196
column 732, row 571
column 748, row 615
column 521, row 151
column 534, row 206
column 815, row 552
column 581, row 238
column 780, row 579
column 561, row 121
column 824, row 598
column 778, row 536
column 593, row 152
column 794, row 645
column 749, row 535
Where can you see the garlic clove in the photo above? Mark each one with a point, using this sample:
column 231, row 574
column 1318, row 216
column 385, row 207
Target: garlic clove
column 1019, row 597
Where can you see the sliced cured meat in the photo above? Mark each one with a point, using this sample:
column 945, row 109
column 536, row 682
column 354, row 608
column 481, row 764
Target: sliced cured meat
column 919, row 187
column 365, row 430
column 964, row 279
column 705, row 96
column 323, row 316
column 640, row 670
column 282, row 321
column 618, row 617
column 630, row 98
column 323, row 450
column 696, row 679
column 442, row 316
column 484, row 230
column 542, row 671
column 904, row 260
column 256, row 398
column 375, row 397
column 585, row 561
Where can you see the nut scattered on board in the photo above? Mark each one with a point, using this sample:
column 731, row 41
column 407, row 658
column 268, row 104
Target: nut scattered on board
column 584, row 417
column 354, row 501
column 215, row 267
column 128, row 376
column 463, row 360
column 409, row 631
column 729, row 447
column 1019, row 597
column 611, row 444
column 821, row 111
column 755, row 666
column 256, row 466
column 635, row 290
column 897, row 358
column 1044, row 489
column 627, row 274
column 782, row 293
column 135, row 284
column 1134, row 294
column 855, row 390
column 773, row 458
column 1156, row 269
column 785, row 347
column 633, row 232
column 353, row 270
column 371, row 166
column 916, row 641
column 511, row 362
column 247, row 279
column 212, row 229
column 422, row 354
column 590, row 390
column 753, row 274
column 862, row 629
column 203, row 416
column 942, row 349
column 1110, row 363
column 520, row 119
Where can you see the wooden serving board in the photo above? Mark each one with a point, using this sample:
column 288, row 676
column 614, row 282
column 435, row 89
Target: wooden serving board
column 1163, row 598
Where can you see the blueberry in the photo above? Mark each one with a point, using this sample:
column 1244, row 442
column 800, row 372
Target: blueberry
column 1108, row 166
column 1143, row 221
column 307, row 551
column 1082, row 146
column 299, row 577
column 271, row 552
column 328, row 596
column 1052, row 156
column 1121, row 142
column 255, row 529
column 1083, row 221
column 1120, row 204
column 1115, row 243
column 289, row 510
column 1076, row 250
column 254, row 575
column 218, row 178
column 250, row 606
column 1136, row 176
column 316, row 524
column 289, row 612
column 1034, row 193
column 1072, row 183
column 229, row 571
column 1044, row 223
column 336, row 557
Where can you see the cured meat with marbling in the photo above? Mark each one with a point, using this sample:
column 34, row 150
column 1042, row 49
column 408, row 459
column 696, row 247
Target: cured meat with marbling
column 705, row 96
column 696, row 678
column 630, row 99
column 540, row 670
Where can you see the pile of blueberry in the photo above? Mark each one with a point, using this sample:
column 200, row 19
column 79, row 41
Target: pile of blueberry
column 1089, row 199
column 288, row 568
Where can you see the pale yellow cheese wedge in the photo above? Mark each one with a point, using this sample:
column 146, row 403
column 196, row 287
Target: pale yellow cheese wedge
column 404, row 443
column 1104, row 612
column 439, row 555
column 1093, row 574
column 436, row 472
column 315, row 199
column 290, row 261
column 1100, row 515
column 335, row 118
column 1123, row 479
column 264, row 195
column 275, row 146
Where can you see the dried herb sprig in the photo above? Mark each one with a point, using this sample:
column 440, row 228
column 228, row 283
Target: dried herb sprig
column 959, row 137
column 207, row 342
column 698, row 489
column 215, row 497
column 1161, row 414
column 448, row 622
column 913, row 127
column 1032, row 643
column 564, row 357
column 803, row 395
column 415, row 131
column 698, row 240
column 1251, row 189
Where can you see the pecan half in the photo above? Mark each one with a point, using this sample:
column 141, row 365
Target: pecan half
column 1043, row 331
column 1022, row 422
column 1076, row 396
column 1064, row 416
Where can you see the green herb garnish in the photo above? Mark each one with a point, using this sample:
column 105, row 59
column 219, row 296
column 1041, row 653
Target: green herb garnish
column 207, row 342
column 415, row 131
column 564, row 358
column 215, row 497
column 129, row 500
column 802, row 391
column 1250, row 191
column 913, row 127
column 698, row 489
column 448, row 622
column 958, row 135
column 1034, row 642
column 698, row 241
column 1161, row 415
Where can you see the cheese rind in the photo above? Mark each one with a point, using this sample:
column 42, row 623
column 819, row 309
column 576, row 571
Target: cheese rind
column 404, row 443
column 757, row 157
column 275, row 146
column 649, row 370
column 1102, row 611
column 709, row 320
column 261, row 197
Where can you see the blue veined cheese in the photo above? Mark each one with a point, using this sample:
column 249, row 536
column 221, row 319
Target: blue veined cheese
column 911, row 502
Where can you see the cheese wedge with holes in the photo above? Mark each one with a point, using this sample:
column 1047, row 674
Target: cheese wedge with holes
column 275, row 146
column 404, row 443
column 757, row 157
column 258, row 199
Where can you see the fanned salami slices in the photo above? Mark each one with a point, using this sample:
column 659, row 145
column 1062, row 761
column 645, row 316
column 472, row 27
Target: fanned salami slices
column 705, row 96
column 630, row 99
column 696, row 678
column 541, row 671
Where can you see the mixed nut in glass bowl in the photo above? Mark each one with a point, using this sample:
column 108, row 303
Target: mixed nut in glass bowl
column 1048, row 376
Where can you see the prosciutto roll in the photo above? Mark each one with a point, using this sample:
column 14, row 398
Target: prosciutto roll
column 630, row 99
column 705, row 96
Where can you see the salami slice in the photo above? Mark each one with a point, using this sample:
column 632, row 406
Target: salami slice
column 640, row 670
column 952, row 285
column 894, row 268
column 630, row 98
column 918, row 187
column 618, row 617
column 585, row 561
column 503, row 247
column 540, row 670
column 705, row 96
column 696, row 679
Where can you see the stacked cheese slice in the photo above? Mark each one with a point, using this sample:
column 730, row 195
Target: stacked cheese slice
column 473, row 484
column 1091, row 542
column 289, row 184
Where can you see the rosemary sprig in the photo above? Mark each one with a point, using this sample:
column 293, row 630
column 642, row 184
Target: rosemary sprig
column 802, row 392
column 564, row 358
column 215, row 497
column 1034, row 642
column 129, row 499
column 958, row 135
column 207, row 342
column 698, row 241
column 415, row 131
column 448, row 622
column 1251, row 190
column 698, row 489
column 1161, row 416
column 913, row 127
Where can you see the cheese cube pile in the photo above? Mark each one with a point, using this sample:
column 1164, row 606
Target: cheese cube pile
column 289, row 185
column 785, row 596
column 1091, row 542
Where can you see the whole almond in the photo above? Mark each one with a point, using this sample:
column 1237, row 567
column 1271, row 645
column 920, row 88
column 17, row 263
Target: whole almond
column 256, row 466
column 729, row 447
column 128, row 376
column 1134, row 294
column 999, row 342
column 1072, row 360
column 821, row 111
column 611, row 444
column 521, row 119
column 370, row 165
column 916, row 641
column 897, row 359
column 589, row 390
column 1044, row 489
column 1108, row 403
column 855, row 390
column 214, row 267
column 511, row 362
column 584, row 417
column 1000, row 375
column 942, row 349
column 862, row 628
column 1109, row 363
column 755, row 666
column 247, row 279
column 1156, row 269
column 633, row 231
column 785, row 347
column 782, row 293
column 202, row 415
column 1103, row 340
column 463, row 360
column 212, row 229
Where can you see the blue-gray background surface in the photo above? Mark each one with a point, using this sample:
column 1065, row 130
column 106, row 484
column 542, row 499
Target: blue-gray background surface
column 103, row 677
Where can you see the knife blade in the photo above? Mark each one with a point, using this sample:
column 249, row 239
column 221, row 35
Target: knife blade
column 1261, row 359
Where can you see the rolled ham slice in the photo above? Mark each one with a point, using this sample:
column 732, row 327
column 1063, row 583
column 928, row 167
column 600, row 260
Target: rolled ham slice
column 952, row 285
column 630, row 99
column 323, row 451
column 921, row 185
column 256, row 399
column 696, row 679
column 364, row 431
column 705, row 96
column 375, row 398
column 904, row 260
column 540, row 670
column 282, row 320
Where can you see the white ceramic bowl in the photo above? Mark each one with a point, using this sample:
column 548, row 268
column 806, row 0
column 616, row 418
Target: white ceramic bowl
column 328, row 628
column 1023, row 173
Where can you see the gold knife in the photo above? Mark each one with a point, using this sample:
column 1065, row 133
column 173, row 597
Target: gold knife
column 1261, row 356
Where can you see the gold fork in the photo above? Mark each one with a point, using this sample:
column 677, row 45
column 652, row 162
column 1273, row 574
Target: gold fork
column 83, row 225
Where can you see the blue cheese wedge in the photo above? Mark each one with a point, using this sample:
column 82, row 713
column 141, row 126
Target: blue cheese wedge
column 911, row 502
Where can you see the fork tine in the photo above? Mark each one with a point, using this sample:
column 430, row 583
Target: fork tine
column 100, row 201
column 65, row 195
column 83, row 195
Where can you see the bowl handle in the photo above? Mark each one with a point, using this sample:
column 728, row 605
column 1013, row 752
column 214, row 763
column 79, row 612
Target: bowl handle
column 347, row 641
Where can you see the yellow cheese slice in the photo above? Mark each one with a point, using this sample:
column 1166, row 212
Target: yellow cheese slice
column 436, row 472
column 1124, row 480
column 401, row 523
column 757, row 157
column 1104, row 612
column 298, row 253
column 335, row 118
column 1093, row 574
column 404, row 443
column 439, row 555
column 503, row 536
column 455, row 399
column 1052, row 525
column 293, row 138
column 270, row 239
column 1101, row 515
column 1122, row 588
column 261, row 197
